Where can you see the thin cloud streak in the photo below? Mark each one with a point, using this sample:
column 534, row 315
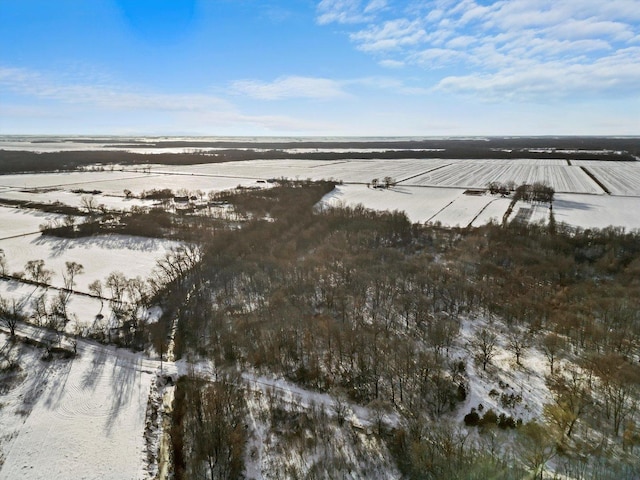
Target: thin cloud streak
column 34, row 84
column 197, row 111
column 290, row 87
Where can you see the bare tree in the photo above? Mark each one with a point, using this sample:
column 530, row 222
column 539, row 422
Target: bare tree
column 518, row 343
column 619, row 385
column 536, row 447
column 174, row 266
column 69, row 221
column 571, row 400
column 116, row 282
column 485, row 346
column 10, row 315
column 36, row 272
column 340, row 409
column 215, row 424
column 552, row 345
column 95, row 288
column 58, row 317
column 89, row 204
column 3, row 263
column 71, row 270
column 40, row 311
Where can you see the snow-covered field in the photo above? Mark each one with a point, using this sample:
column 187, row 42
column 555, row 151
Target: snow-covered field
column 81, row 309
column 427, row 190
column 49, row 188
column 451, row 207
column 14, row 221
column 597, row 211
column 622, row 180
column 111, row 202
column 493, row 211
column 99, row 255
column 415, row 194
column 465, row 209
column 67, row 180
column 74, row 418
column 471, row 174
column 420, row 204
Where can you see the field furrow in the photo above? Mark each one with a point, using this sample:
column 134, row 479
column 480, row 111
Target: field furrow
column 479, row 175
column 622, row 179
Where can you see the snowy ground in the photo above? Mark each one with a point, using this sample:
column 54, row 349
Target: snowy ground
column 428, row 190
column 472, row 174
column 457, row 173
column 597, row 211
column 67, row 180
column 74, row 418
column 99, row 255
column 81, row 309
column 111, row 202
column 502, row 375
column 622, row 180
column 58, row 187
column 420, row 204
column 452, row 207
column 15, row 221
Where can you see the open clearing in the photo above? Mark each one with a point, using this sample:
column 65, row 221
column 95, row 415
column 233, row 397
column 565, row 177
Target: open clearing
column 99, row 255
column 16, row 221
column 77, row 200
column 81, row 309
column 597, row 211
column 479, row 175
column 623, row 180
column 451, row 207
column 420, row 204
column 76, row 418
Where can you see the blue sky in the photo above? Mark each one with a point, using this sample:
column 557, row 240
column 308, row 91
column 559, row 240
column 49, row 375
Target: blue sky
column 329, row 67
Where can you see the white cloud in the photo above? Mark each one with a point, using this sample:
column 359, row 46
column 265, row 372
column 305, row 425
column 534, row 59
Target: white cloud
column 290, row 87
column 375, row 5
column 437, row 57
column 34, row 84
column 523, row 45
column 341, row 11
column 461, row 41
column 33, row 95
column 617, row 74
column 588, row 28
column 390, row 35
column 388, row 63
column 321, row 88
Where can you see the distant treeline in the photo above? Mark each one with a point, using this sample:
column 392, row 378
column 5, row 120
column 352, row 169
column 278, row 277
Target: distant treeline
column 613, row 149
column 630, row 144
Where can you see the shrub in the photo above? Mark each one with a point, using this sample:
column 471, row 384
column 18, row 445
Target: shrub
column 505, row 422
column 510, row 400
column 472, row 419
column 462, row 393
column 489, row 418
